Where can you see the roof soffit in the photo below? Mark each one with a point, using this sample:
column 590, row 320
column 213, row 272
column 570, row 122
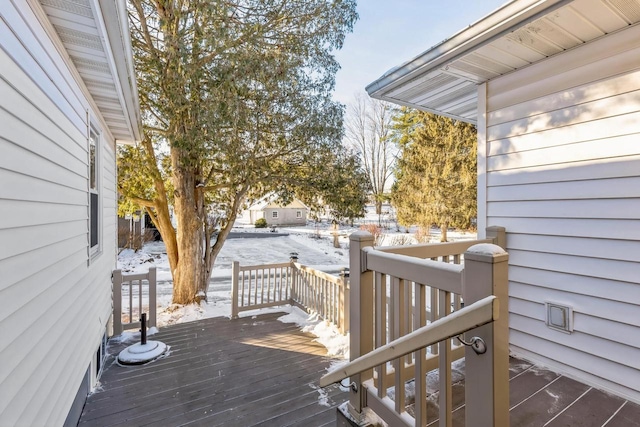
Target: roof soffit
column 95, row 35
column 516, row 35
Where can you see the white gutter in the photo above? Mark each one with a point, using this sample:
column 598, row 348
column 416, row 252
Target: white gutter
column 505, row 19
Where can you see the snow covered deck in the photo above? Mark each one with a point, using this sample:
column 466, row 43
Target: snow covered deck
column 259, row 371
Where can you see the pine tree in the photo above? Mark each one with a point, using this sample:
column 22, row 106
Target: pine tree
column 436, row 171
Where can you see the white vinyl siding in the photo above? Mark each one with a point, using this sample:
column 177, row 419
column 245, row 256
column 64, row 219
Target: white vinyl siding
column 55, row 306
column 563, row 176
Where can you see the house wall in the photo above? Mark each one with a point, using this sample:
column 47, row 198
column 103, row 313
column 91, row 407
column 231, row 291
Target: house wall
column 560, row 169
column 56, row 298
column 255, row 215
column 286, row 216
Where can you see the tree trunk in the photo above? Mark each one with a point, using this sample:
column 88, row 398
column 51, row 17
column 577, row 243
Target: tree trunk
column 443, row 232
column 190, row 272
column 378, row 207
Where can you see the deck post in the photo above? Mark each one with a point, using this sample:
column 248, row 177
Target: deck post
column 117, row 302
column 293, row 295
column 498, row 235
column 487, row 375
column 343, row 309
column 360, row 314
column 235, row 269
column 153, row 305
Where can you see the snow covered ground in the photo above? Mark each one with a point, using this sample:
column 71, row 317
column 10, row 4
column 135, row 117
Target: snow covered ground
column 313, row 245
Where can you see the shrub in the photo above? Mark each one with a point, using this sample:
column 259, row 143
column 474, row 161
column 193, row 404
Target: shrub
column 401, row 240
column 260, row 223
column 423, row 235
column 375, row 231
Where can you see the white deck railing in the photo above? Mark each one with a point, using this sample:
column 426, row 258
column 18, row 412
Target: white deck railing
column 139, row 290
column 395, row 293
column 271, row 285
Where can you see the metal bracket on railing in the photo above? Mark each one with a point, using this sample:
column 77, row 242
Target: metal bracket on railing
column 353, row 386
column 476, row 343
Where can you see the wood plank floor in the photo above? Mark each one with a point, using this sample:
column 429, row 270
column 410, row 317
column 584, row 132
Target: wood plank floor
column 539, row 397
column 244, row 372
column 261, row 372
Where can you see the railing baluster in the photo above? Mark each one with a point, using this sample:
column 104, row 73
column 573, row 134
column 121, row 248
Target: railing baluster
column 282, row 283
column 262, row 285
column 285, row 272
column 314, row 289
column 254, row 277
column 381, row 328
column 152, row 297
column 276, row 285
column 433, row 313
column 325, row 298
column 446, row 407
column 130, row 301
column 407, row 313
column 242, row 290
column 139, row 298
column 273, row 284
column 399, row 308
column 420, row 365
column 235, row 266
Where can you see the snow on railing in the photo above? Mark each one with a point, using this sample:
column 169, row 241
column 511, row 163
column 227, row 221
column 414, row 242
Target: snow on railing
column 139, row 292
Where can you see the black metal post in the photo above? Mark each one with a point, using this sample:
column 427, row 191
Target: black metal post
column 143, row 329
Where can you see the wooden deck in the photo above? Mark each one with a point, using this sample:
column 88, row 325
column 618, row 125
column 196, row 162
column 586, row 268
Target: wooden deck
column 258, row 371
column 538, row 397
column 244, row 372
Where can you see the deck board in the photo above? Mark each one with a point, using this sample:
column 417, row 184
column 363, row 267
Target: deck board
column 249, row 371
column 261, row 372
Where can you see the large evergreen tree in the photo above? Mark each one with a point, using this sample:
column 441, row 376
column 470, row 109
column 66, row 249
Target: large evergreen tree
column 236, row 101
column 435, row 172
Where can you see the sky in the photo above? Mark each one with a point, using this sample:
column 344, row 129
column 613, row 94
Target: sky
column 391, row 32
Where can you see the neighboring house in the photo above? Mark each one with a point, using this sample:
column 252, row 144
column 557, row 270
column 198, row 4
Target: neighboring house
column 294, row 213
column 554, row 89
column 67, row 95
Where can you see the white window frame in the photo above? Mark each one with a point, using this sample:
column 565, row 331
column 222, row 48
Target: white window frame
column 299, row 214
column 94, row 146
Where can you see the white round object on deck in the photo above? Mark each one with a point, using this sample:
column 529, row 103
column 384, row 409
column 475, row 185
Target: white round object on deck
column 138, row 354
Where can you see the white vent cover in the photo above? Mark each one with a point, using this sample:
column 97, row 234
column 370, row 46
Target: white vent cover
column 559, row 317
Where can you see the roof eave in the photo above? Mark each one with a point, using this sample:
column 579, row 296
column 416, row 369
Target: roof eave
column 503, row 20
column 114, row 23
